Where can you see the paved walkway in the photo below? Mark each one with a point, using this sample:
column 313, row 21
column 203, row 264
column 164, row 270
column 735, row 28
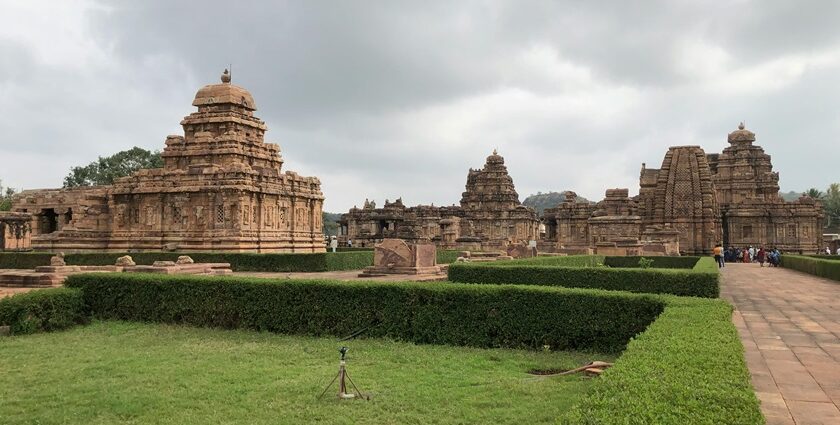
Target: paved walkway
column 789, row 323
column 8, row 292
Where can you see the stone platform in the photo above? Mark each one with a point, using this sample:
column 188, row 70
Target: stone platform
column 214, row 269
column 397, row 257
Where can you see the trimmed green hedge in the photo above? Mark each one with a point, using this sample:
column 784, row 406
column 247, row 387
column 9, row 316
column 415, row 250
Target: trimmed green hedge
column 447, row 256
column 433, row 313
column 687, row 368
column 43, row 310
column 239, row 261
column 823, row 267
column 348, row 249
column 24, row 260
column 825, row 257
column 555, row 261
column 658, row 262
column 662, row 262
column 700, row 282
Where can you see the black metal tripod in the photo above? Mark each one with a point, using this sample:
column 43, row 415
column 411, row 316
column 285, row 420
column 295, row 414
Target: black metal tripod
column 342, row 384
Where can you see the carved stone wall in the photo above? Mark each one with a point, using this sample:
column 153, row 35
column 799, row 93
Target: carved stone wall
column 221, row 189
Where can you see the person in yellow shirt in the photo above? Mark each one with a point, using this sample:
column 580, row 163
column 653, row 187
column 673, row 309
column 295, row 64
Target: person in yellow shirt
column 718, row 253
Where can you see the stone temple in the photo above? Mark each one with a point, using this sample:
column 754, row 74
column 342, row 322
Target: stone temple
column 221, row 188
column 693, row 201
column 489, row 217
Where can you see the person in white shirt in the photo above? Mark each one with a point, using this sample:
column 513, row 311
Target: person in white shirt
column 838, row 250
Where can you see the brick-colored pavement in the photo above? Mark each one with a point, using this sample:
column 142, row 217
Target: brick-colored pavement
column 789, row 323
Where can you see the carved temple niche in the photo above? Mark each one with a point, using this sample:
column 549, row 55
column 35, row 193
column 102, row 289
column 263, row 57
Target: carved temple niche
column 246, row 214
column 123, row 218
column 200, row 216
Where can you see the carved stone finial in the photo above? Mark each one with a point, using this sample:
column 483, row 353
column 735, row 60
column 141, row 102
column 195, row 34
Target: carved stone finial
column 741, row 126
column 495, row 152
column 226, row 76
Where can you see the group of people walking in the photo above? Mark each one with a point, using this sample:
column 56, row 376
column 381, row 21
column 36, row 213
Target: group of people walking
column 747, row 255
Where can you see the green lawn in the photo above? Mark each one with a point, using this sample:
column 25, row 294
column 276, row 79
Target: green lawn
column 121, row 372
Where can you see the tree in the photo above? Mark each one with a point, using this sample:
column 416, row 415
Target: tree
column 831, row 202
column 814, row 193
column 6, row 197
column 331, row 225
column 105, row 170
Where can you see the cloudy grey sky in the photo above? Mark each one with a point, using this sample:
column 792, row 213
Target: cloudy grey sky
column 386, row 99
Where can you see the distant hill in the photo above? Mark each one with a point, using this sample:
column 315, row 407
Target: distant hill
column 790, row 196
column 540, row 201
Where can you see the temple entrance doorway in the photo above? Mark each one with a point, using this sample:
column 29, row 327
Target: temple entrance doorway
column 49, row 221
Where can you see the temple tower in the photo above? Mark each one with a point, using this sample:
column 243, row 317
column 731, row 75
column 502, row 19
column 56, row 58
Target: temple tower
column 681, row 194
column 743, row 171
column 490, row 188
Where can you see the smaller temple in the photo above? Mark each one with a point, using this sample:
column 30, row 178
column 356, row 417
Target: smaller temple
column 489, row 217
column 752, row 211
column 610, row 227
column 15, row 231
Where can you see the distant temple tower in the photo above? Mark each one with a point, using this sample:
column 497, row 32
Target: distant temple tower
column 221, row 189
column 490, row 188
column 682, row 195
column 490, row 216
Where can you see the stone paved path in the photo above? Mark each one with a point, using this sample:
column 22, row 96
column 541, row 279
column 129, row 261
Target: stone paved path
column 789, row 323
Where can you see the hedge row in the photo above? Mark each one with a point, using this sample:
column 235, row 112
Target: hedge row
column 349, row 249
column 687, row 368
column 700, row 282
column 556, row 261
column 43, row 310
column 239, row 261
column 822, row 267
column 433, row 313
column 447, row 256
column 664, row 262
column 825, row 257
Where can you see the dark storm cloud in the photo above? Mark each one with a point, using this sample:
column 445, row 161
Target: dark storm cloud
column 388, row 99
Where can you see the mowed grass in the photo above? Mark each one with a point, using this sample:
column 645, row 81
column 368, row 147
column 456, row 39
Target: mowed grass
column 122, row 372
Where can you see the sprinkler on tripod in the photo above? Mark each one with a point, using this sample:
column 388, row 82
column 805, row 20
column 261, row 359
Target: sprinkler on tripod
column 342, row 377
